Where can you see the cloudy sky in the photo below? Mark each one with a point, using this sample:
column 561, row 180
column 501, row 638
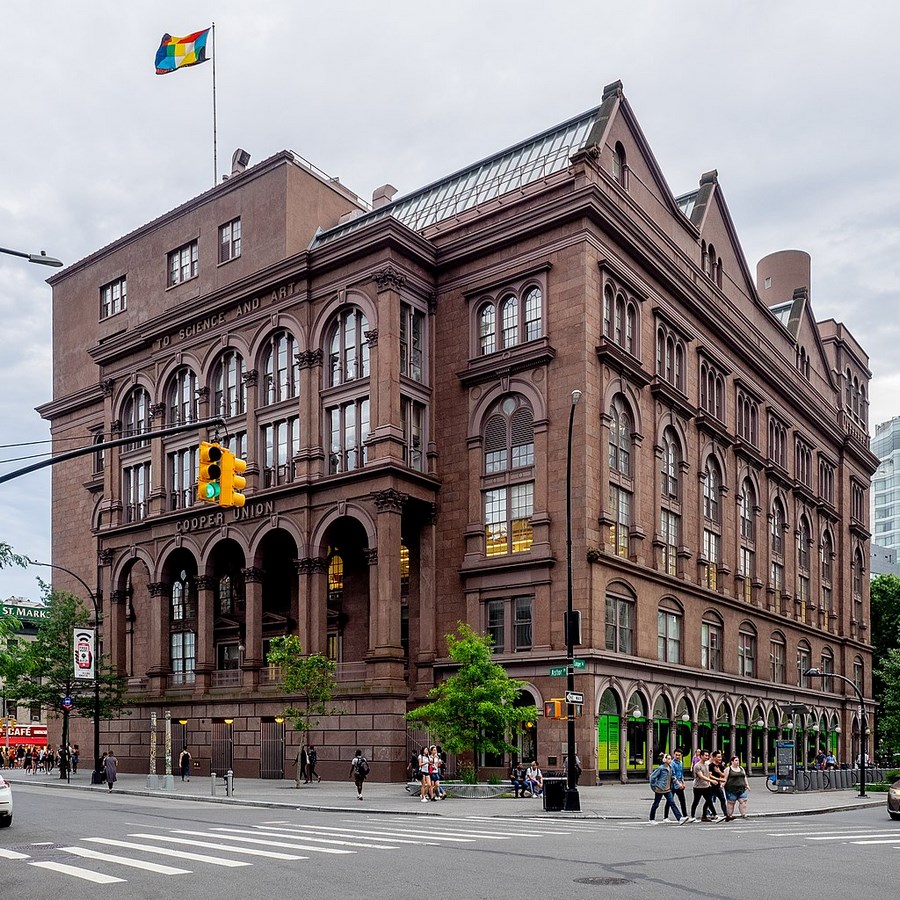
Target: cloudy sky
column 794, row 103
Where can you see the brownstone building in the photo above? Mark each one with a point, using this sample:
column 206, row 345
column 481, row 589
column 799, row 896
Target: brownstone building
column 399, row 377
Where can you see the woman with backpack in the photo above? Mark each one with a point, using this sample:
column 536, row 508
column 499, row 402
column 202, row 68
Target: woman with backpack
column 359, row 770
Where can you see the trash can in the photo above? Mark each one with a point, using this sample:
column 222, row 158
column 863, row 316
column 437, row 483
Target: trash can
column 554, row 794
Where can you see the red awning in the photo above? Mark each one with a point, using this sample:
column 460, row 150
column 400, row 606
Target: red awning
column 29, row 735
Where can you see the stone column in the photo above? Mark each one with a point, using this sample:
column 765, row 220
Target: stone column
column 116, row 631
column 206, row 662
column 159, row 668
column 427, row 617
column 385, row 650
column 303, row 568
column 252, row 661
column 623, row 750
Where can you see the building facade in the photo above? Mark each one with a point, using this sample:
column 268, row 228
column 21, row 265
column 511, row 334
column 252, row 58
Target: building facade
column 399, row 376
column 885, row 505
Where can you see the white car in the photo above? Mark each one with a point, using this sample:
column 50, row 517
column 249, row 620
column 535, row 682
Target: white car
column 6, row 804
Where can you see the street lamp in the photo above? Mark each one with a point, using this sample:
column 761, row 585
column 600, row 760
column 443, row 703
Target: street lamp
column 572, row 801
column 96, row 778
column 863, row 731
column 40, row 258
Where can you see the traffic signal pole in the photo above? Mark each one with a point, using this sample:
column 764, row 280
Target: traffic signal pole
column 116, row 442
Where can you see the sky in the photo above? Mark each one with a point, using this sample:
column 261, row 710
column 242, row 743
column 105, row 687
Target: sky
column 795, row 104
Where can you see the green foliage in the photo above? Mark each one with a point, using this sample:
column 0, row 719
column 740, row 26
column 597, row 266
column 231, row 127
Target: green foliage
column 467, row 774
column 9, row 624
column 310, row 676
column 889, row 720
column 474, row 709
column 42, row 670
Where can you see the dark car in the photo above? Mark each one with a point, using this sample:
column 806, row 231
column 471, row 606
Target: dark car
column 893, row 799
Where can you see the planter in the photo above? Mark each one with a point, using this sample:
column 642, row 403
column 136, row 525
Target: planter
column 475, row 791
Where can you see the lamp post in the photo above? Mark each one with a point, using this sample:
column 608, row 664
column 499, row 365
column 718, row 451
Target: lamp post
column 818, row 673
column 572, row 800
column 96, row 778
column 40, row 258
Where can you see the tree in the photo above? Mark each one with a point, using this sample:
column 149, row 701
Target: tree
column 474, row 709
column 42, row 670
column 309, row 676
column 885, row 636
column 9, row 624
column 889, row 719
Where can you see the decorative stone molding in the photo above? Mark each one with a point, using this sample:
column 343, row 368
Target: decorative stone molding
column 250, row 377
column 205, row 582
column 158, row 412
column 390, row 500
column 371, row 337
column 308, row 359
column 252, row 575
column 118, row 597
column 159, row 588
column 432, row 301
column 106, row 386
column 104, row 556
column 202, row 394
column 370, row 555
column 389, row 279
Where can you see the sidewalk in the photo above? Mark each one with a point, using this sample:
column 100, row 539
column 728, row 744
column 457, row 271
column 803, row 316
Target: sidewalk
column 606, row 801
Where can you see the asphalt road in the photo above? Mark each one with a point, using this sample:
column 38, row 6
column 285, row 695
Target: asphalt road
column 152, row 847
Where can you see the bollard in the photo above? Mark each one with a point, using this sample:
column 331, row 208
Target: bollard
column 229, row 783
column 212, row 784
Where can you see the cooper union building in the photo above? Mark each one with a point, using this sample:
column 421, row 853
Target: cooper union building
column 399, row 375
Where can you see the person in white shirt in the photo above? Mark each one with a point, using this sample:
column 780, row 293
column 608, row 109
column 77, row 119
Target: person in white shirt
column 534, row 778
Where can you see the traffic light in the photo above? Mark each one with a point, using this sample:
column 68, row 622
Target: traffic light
column 553, row 709
column 209, row 486
column 233, row 481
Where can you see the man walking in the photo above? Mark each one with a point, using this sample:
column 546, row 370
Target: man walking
column 312, row 756
column 661, row 782
column 359, row 770
column 702, row 784
column 677, row 784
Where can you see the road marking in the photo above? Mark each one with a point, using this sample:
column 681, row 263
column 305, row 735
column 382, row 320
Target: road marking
column 76, row 872
column 12, row 854
column 381, row 845
column 248, row 851
column 850, row 836
column 393, row 835
column 896, row 840
column 849, row 831
column 164, row 851
column 126, row 861
column 248, row 840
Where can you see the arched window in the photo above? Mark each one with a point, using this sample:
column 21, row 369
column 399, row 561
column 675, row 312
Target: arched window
column 487, row 329
column 182, row 397
column 182, row 639
column 747, row 651
column 828, row 669
column 509, row 321
column 711, row 630
column 804, row 662
column 746, row 505
column 281, row 371
column 620, row 165
column 230, row 387
column 712, row 485
column 348, row 348
column 712, row 537
column 519, row 313
column 508, row 441
column 136, row 416
column 827, row 573
column 620, row 437
column 670, row 512
column 857, row 585
column 778, row 658
column 534, row 305
column 671, row 464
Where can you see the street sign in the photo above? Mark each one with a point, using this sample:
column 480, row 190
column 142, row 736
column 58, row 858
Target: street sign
column 574, row 697
column 557, row 671
column 578, row 663
column 67, row 702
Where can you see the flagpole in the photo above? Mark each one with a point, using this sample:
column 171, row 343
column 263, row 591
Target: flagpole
column 215, row 124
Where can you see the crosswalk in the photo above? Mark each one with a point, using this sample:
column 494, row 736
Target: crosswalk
column 175, row 851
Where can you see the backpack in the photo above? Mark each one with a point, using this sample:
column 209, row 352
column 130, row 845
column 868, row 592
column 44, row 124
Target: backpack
column 362, row 767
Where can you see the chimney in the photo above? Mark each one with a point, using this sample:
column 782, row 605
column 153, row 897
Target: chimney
column 239, row 160
column 383, row 195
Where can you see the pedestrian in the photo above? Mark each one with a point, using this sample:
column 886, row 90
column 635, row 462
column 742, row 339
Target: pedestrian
column 661, row 781
column 184, row 763
column 534, row 778
column 717, row 782
column 109, row 768
column 76, row 753
column 677, row 784
column 302, row 766
column 437, row 792
column 424, row 775
column 359, row 771
column 312, row 757
column 517, row 780
column 737, row 790
column 701, row 788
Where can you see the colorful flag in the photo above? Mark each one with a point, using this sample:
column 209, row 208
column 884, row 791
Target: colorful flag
column 178, row 52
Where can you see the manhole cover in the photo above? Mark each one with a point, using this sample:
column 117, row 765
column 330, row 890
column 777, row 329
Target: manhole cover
column 599, row 879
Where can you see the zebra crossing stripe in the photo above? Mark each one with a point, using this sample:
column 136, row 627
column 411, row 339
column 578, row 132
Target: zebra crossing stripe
column 248, row 840
column 12, row 854
column 160, row 869
column 76, row 872
column 208, row 845
column 382, row 843
column 394, row 836
column 165, row 851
